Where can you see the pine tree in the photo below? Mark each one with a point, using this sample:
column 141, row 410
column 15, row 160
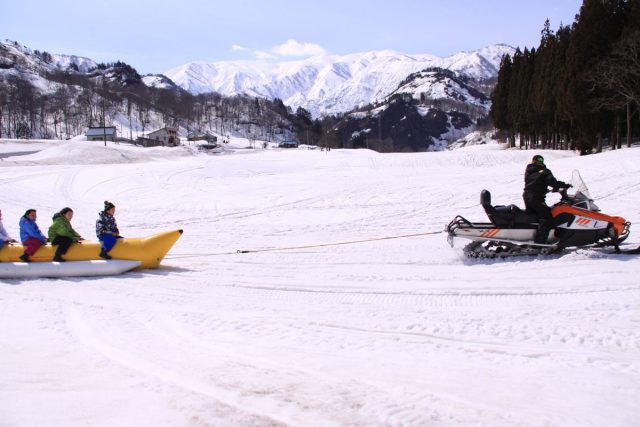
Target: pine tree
column 543, row 86
column 597, row 27
column 500, row 99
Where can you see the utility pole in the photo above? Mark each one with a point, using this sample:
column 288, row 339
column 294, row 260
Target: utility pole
column 129, row 111
column 104, row 119
column 104, row 129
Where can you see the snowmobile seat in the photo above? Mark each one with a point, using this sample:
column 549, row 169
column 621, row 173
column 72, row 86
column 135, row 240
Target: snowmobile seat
column 523, row 217
column 505, row 216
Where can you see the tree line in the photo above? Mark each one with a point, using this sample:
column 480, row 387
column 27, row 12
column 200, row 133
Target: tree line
column 580, row 88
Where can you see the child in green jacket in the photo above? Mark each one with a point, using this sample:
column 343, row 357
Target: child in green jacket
column 62, row 234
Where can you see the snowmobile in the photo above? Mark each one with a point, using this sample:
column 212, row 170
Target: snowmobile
column 577, row 222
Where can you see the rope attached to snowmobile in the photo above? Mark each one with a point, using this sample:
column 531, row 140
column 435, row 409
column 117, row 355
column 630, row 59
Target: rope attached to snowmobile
column 177, row 256
column 351, row 242
column 289, row 248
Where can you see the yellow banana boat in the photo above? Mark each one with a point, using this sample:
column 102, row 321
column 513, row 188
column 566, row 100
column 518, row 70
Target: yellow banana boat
column 148, row 250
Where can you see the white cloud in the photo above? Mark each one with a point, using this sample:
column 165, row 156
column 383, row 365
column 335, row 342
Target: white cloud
column 294, row 48
column 263, row 55
column 289, row 48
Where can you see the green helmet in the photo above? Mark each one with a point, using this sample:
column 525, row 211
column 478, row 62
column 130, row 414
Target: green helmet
column 538, row 158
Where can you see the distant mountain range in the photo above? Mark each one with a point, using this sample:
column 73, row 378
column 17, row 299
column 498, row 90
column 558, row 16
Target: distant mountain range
column 382, row 100
column 327, row 84
column 331, row 84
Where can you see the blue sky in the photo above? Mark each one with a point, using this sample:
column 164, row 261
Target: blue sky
column 154, row 36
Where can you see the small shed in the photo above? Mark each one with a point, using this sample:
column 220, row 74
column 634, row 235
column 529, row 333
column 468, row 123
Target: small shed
column 288, row 144
column 99, row 133
column 202, row 136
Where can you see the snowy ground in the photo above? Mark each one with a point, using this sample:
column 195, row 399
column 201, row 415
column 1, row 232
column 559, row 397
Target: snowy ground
column 401, row 332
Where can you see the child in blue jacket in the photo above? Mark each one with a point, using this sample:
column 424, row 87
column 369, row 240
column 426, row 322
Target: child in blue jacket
column 107, row 229
column 30, row 234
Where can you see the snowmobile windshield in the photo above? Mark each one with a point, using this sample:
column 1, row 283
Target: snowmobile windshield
column 581, row 198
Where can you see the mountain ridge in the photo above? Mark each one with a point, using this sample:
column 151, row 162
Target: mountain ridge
column 330, row 84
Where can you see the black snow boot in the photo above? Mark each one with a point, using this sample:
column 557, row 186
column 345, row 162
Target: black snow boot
column 542, row 233
column 24, row 258
column 104, row 255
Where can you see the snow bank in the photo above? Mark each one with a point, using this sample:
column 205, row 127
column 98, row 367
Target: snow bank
column 82, row 152
column 397, row 332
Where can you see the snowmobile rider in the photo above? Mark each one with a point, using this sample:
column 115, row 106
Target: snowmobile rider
column 537, row 179
column 62, row 234
column 107, row 229
column 30, row 234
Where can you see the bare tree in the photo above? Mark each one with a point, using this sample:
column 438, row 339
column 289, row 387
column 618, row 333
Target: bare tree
column 616, row 79
column 4, row 101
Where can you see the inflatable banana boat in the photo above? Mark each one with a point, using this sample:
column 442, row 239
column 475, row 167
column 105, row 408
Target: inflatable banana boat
column 30, row 270
column 149, row 251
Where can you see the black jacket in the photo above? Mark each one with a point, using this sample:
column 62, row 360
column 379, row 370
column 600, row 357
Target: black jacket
column 106, row 224
column 537, row 179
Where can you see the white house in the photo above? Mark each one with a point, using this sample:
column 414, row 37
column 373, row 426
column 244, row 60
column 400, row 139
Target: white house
column 166, row 136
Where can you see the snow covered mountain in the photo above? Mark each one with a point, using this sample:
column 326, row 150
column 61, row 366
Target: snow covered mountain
column 13, row 52
column 35, row 65
column 429, row 110
column 330, row 83
column 436, row 84
column 32, row 65
column 158, row 81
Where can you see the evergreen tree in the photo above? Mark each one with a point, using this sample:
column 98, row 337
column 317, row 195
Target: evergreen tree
column 500, row 99
column 598, row 26
column 579, row 81
column 543, row 86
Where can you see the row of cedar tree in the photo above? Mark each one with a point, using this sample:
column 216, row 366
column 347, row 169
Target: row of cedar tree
column 580, row 87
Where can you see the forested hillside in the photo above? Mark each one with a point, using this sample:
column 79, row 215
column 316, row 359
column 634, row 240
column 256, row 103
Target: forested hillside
column 47, row 96
column 580, row 88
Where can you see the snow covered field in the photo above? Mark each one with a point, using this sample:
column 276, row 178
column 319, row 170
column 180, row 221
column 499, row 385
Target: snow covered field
column 399, row 332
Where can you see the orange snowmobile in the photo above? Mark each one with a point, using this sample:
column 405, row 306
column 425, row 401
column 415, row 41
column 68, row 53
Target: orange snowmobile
column 577, row 222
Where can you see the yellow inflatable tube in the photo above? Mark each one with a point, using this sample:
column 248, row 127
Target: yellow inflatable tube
column 148, row 250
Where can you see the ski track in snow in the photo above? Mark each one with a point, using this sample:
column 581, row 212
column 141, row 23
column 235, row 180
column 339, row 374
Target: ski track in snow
column 402, row 332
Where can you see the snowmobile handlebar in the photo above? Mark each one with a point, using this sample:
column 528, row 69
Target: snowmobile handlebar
column 563, row 193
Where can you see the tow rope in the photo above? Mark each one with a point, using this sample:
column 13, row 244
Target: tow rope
column 289, row 248
column 350, row 242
